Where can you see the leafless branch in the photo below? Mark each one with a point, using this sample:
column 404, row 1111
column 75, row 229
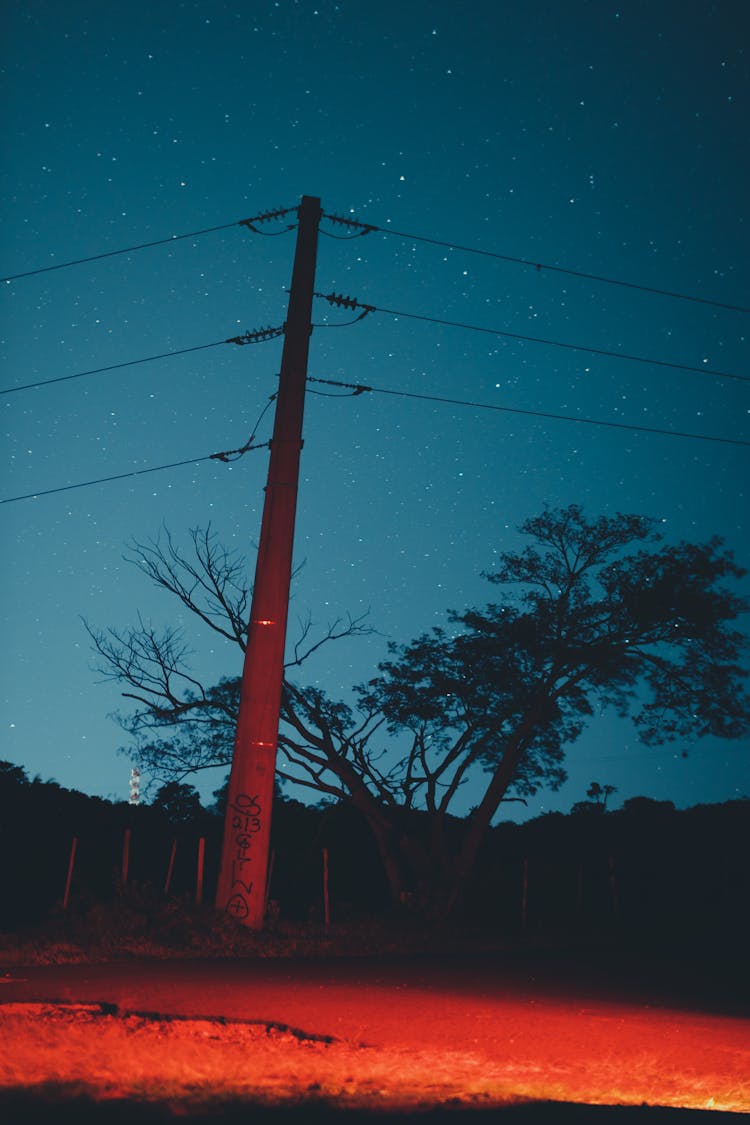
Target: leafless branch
column 336, row 630
column 150, row 662
column 211, row 584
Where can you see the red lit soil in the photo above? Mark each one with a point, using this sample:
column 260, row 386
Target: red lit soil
column 396, row 1047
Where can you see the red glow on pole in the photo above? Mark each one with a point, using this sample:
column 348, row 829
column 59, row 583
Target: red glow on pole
column 241, row 888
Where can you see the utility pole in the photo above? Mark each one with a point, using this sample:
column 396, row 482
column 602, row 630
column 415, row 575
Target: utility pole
column 244, row 860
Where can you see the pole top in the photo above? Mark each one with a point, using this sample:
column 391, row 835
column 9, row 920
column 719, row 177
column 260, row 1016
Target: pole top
column 310, row 202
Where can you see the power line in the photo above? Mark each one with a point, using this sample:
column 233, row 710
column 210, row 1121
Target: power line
column 539, row 266
column 105, row 480
column 227, row 455
column 263, row 217
column 366, row 228
column 259, row 336
column 230, row 455
column 352, row 303
column 113, row 253
column 111, row 367
column 264, row 334
column 133, row 473
column 360, row 388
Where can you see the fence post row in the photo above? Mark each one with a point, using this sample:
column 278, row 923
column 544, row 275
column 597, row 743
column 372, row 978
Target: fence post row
column 612, row 880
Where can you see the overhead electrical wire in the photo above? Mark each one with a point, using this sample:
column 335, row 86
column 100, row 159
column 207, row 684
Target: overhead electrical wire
column 227, row 455
column 259, row 336
column 361, row 388
column 230, row 455
column 263, row 334
column 263, row 217
column 352, row 303
column 111, row 367
column 113, row 253
column 105, row 480
column 367, row 228
column 135, row 473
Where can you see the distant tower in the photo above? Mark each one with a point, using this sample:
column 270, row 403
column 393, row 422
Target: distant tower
column 135, row 786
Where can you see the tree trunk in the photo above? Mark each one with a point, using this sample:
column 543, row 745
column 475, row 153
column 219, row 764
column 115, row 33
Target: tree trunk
column 459, row 870
column 387, row 844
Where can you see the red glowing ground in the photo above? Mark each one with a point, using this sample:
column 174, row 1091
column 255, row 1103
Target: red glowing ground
column 403, row 1037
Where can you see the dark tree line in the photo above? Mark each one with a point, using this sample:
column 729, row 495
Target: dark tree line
column 591, row 614
column 680, row 876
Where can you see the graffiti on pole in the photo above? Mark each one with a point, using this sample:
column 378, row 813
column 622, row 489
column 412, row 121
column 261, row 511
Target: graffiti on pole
column 245, row 823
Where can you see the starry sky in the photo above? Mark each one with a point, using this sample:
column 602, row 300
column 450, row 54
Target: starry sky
column 606, row 137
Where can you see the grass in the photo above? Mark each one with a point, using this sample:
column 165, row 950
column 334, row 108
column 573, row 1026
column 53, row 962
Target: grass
column 144, row 924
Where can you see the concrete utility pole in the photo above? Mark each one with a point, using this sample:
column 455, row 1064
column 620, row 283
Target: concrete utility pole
column 244, row 859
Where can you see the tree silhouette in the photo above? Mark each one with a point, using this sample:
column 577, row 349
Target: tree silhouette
column 598, row 796
column 179, row 802
column 593, row 613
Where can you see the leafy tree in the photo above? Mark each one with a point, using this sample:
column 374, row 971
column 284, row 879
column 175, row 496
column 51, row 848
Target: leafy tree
column 181, row 803
column 12, row 776
column 598, row 796
column 592, row 614
column 595, row 614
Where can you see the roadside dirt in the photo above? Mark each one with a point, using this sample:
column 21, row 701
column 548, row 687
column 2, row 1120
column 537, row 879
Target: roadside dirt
column 367, row 1038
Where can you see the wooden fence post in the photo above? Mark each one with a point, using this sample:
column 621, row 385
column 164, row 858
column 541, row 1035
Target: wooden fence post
column 71, row 863
column 170, row 868
column 613, row 887
column 326, row 900
column 125, row 858
column 524, row 893
column 199, row 874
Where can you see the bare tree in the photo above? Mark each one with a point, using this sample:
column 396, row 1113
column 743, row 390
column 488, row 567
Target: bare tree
column 154, row 665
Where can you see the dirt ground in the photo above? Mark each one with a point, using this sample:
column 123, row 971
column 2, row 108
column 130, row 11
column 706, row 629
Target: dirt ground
column 370, row 1041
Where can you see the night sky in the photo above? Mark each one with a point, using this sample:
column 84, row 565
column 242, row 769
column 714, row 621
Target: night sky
column 607, row 138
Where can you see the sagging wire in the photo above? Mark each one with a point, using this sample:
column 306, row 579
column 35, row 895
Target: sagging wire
column 364, row 228
column 355, row 388
column 266, row 217
column 230, row 455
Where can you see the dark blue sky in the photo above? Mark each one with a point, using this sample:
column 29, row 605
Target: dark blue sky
column 605, row 138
